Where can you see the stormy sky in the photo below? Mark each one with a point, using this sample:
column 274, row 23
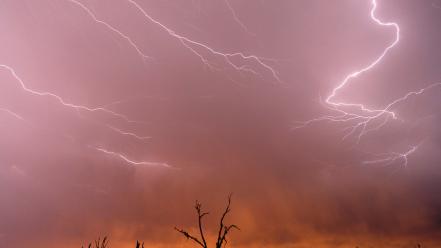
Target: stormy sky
column 115, row 116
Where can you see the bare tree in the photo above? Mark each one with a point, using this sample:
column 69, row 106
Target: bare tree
column 139, row 245
column 103, row 243
column 98, row 243
column 223, row 229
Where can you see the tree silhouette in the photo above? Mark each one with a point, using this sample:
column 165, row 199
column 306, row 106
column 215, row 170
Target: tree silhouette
column 223, row 229
column 103, row 243
column 98, row 243
column 139, row 245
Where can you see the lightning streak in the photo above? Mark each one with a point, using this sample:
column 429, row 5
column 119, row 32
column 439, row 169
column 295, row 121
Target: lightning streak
column 132, row 162
column 110, row 27
column 355, row 74
column 85, row 108
column 141, row 138
column 190, row 44
column 80, row 107
column 10, row 112
column 392, row 157
column 361, row 119
column 236, row 18
column 60, row 99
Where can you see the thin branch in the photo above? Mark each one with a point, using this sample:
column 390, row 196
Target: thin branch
column 221, row 223
column 98, row 243
column 200, row 216
column 104, row 243
column 226, row 230
column 188, row 236
column 139, row 245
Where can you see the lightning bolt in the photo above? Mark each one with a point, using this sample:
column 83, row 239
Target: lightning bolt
column 141, row 138
column 361, row 119
column 59, row 99
column 79, row 107
column 10, row 112
column 392, row 157
column 110, row 27
column 237, row 20
column 355, row 74
column 132, row 162
column 227, row 57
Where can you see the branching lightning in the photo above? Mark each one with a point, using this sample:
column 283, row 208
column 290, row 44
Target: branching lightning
column 60, row 99
column 392, row 157
column 133, row 135
column 188, row 43
column 132, row 162
column 191, row 44
column 110, row 27
column 79, row 107
column 359, row 118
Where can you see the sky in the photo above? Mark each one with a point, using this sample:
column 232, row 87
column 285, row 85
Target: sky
column 320, row 117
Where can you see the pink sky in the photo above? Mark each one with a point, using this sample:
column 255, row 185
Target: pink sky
column 113, row 121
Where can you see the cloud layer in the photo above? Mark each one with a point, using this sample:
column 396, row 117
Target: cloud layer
column 221, row 120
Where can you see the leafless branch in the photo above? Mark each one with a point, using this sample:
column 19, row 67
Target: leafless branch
column 188, row 236
column 139, row 245
column 223, row 239
column 203, row 243
column 98, row 243
column 200, row 216
column 223, row 230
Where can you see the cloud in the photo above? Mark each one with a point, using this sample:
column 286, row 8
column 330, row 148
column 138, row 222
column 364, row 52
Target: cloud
column 225, row 131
